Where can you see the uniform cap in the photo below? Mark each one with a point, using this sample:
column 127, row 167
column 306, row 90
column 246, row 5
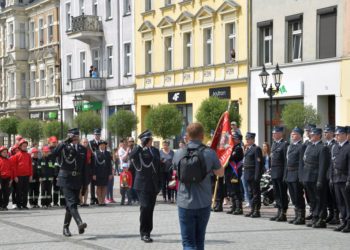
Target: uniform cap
column 22, row 141
column 298, row 130
column 97, row 131
column 102, row 142
column 73, row 132
column 34, row 150
column 340, row 130
column 250, row 135
column 53, row 139
column 277, row 129
column 145, row 135
column 309, row 127
column 46, row 149
column 316, row 131
column 329, row 128
column 237, row 135
column 2, row 148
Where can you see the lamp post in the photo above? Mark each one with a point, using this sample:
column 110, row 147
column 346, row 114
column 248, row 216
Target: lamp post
column 78, row 103
column 271, row 90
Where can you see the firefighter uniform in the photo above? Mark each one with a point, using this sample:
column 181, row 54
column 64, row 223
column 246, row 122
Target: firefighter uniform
column 34, row 185
column 6, row 176
column 47, row 164
column 94, row 147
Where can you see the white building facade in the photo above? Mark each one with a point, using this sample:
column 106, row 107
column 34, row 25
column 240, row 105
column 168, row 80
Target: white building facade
column 97, row 33
column 306, row 41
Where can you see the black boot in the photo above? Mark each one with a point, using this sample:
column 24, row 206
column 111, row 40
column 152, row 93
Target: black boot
column 321, row 223
column 312, row 222
column 256, row 213
column 67, row 219
column 218, row 207
column 81, row 225
column 277, row 215
column 283, row 216
column 232, row 208
column 346, row 229
column 335, row 220
column 250, row 213
column 330, row 216
column 301, row 217
column 297, row 214
column 341, row 227
column 310, row 216
column 239, row 208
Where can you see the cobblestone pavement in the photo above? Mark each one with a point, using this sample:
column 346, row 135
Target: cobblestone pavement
column 116, row 227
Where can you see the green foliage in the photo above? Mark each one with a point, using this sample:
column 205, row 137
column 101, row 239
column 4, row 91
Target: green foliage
column 53, row 128
column 296, row 114
column 211, row 110
column 164, row 120
column 87, row 121
column 122, row 123
column 31, row 128
column 9, row 125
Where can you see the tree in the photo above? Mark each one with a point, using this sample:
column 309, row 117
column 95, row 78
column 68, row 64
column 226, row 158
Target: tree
column 298, row 115
column 32, row 129
column 87, row 121
column 164, row 120
column 53, row 128
column 122, row 123
column 9, row 126
column 211, row 110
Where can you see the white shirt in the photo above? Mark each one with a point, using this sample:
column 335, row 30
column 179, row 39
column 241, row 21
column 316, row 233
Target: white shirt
column 122, row 153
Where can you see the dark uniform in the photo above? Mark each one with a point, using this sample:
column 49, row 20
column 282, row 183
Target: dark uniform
column 94, row 147
column 34, row 185
column 72, row 157
column 278, row 156
column 233, row 174
column 340, row 177
column 314, row 169
column 253, row 170
column 148, row 177
column 48, row 169
column 102, row 166
column 292, row 178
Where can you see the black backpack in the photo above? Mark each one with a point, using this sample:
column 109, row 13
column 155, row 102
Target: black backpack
column 192, row 167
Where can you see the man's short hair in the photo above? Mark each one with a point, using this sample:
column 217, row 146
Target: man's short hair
column 195, row 130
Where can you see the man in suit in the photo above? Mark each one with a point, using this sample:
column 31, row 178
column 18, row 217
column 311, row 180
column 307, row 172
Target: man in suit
column 94, row 147
column 278, row 156
column 145, row 159
column 253, row 169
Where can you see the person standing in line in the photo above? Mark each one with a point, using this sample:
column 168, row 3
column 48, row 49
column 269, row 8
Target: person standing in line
column 34, row 186
column 266, row 156
column 6, row 177
column 57, row 192
column 166, row 158
column 87, row 173
column 145, row 160
column 131, row 145
column 194, row 199
column 47, row 164
column 94, row 146
column 13, row 151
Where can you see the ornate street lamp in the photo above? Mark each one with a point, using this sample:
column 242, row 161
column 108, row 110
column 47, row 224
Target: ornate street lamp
column 271, row 90
column 78, row 103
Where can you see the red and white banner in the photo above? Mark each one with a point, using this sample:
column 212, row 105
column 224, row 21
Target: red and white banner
column 222, row 141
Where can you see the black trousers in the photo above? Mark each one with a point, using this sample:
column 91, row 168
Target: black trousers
column 234, row 189
column 317, row 199
column 72, row 198
column 34, row 192
column 343, row 200
column 221, row 191
column 14, row 193
column 255, row 192
column 147, row 202
column 22, row 188
column 331, row 203
column 280, row 191
column 296, row 192
column 57, row 194
column 165, row 190
column 4, row 192
column 46, row 192
column 92, row 191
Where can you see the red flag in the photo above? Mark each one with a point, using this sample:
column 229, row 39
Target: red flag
column 222, row 141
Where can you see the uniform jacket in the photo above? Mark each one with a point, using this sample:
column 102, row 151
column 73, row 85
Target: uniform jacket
column 6, row 168
column 106, row 168
column 293, row 159
column 253, row 163
column 236, row 158
column 22, row 164
column 146, row 178
column 340, row 170
column 330, row 146
column 93, row 145
column 36, row 170
column 315, row 163
column 48, row 167
column 278, row 156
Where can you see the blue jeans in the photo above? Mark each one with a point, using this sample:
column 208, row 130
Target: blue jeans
column 110, row 189
column 247, row 197
column 193, row 224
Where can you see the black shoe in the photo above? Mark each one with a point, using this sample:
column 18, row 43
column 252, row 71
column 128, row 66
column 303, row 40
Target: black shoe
column 146, row 239
column 25, row 208
column 276, row 216
column 340, row 228
column 218, row 208
column 282, row 217
column 329, row 218
column 256, row 214
column 320, row 224
column 249, row 214
column 230, row 211
column 301, row 218
column 346, row 229
column 309, row 217
column 335, row 220
column 238, row 211
column 66, row 231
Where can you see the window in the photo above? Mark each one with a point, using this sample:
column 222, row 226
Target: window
column 82, row 64
column 295, row 36
column 10, row 36
column 168, row 53
column 168, row 2
column 51, row 79
column 50, row 28
column 11, row 81
column 230, row 42
column 94, row 7
column 208, row 47
column 187, row 48
column 41, row 32
column 327, row 33
column 68, row 17
column 42, row 83
column 148, row 56
column 110, row 61
column 69, row 67
column 81, row 7
column 96, row 59
column 32, row 84
column 108, row 9
column 24, row 85
column 148, row 5
column 127, row 7
column 31, row 34
column 22, row 36
column 127, row 59
column 265, row 45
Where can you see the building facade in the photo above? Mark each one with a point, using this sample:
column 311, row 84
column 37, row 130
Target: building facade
column 188, row 51
column 308, row 44
column 97, row 33
column 30, row 59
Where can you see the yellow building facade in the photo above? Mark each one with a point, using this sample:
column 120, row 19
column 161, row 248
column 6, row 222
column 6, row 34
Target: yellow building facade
column 187, row 51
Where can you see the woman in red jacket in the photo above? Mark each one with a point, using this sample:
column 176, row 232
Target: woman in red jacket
column 6, row 177
column 24, row 172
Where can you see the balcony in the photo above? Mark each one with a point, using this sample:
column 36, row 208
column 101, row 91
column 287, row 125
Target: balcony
column 86, row 28
column 86, row 85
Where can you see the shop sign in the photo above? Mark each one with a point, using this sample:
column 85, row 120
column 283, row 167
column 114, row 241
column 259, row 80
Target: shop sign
column 222, row 93
column 87, row 106
column 36, row 115
column 178, row 96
